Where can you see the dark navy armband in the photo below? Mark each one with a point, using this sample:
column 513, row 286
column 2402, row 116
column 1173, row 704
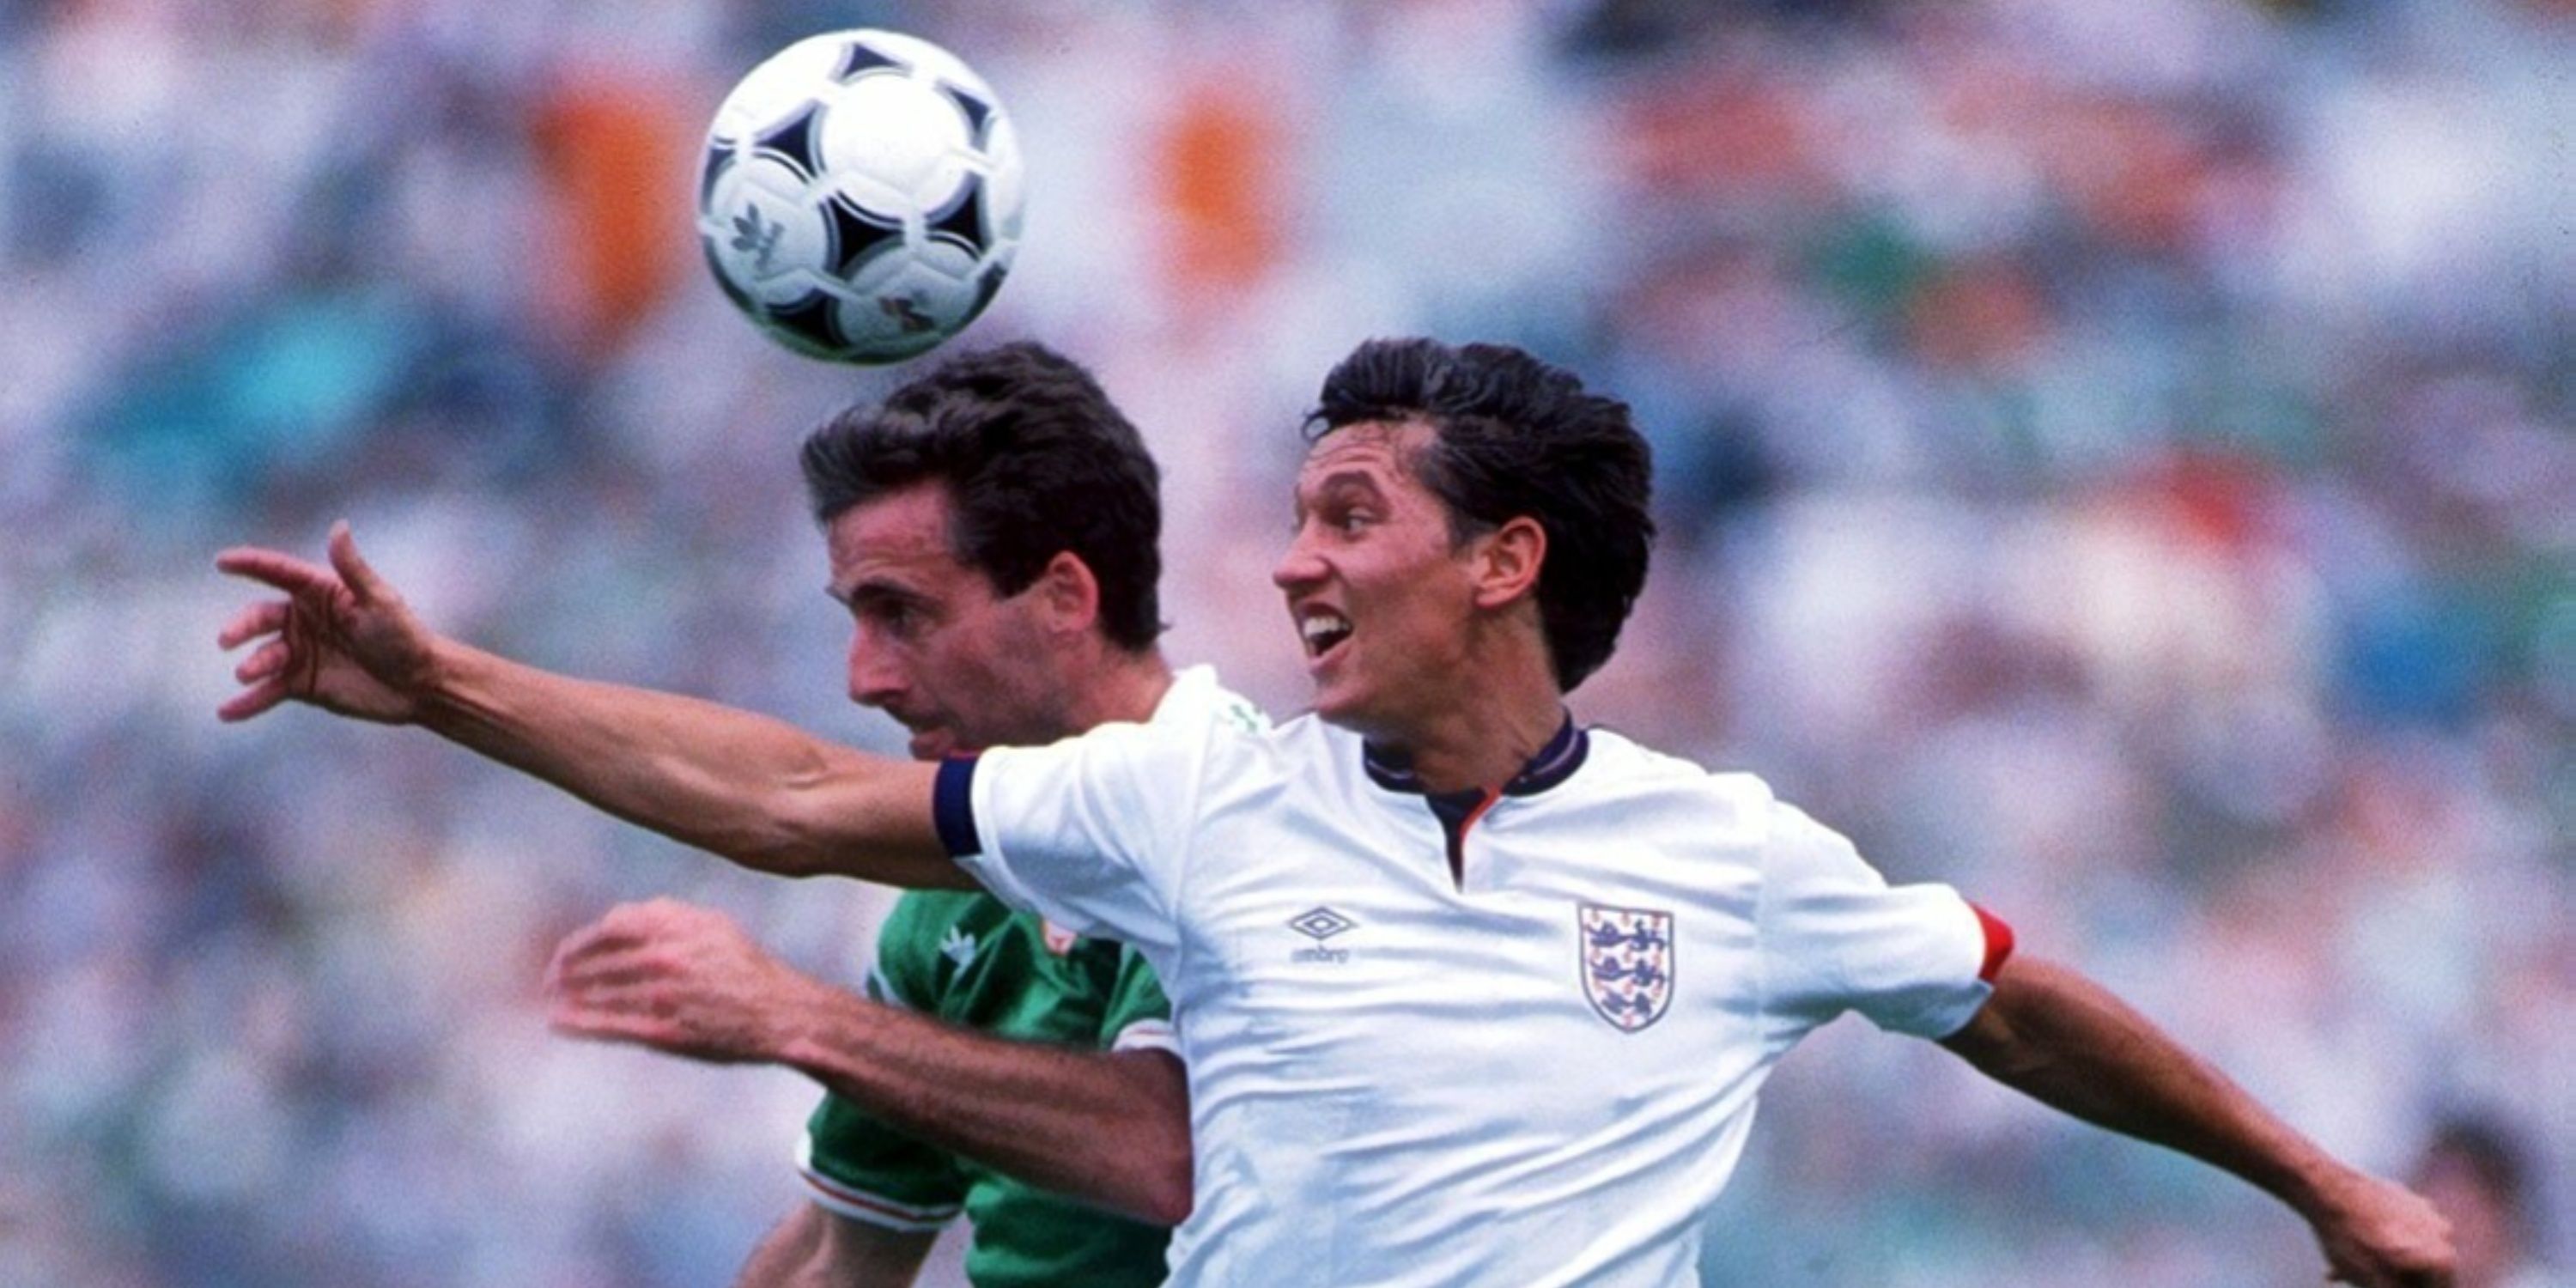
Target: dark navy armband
column 952, row 807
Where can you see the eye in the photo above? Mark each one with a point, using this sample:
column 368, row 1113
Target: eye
column 905, row 621
column 894, row 618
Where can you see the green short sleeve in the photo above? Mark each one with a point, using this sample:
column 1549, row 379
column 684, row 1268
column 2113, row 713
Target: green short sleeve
column 860, row 1168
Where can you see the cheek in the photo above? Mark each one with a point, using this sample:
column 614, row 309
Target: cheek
column 1427, row 602
column 1008, row 657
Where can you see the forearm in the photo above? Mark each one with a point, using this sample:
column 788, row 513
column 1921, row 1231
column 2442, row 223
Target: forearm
column 786, row 1257
column 1110, row 1128
column 755, row 790
column 2067, row 1042
column 2052, row 1033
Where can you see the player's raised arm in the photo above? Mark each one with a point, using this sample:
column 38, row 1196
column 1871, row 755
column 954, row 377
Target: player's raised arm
column 2060, row 1038
column 752, row 789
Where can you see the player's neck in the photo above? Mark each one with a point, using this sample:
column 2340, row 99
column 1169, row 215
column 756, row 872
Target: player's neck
column 1485, row 738
column 1122, row 687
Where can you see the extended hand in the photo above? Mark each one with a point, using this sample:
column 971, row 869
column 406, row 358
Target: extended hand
column 343, row 638
column 2379, row 1235
column 677, row 978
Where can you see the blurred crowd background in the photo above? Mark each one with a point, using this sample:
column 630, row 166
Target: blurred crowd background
column 2117, row 458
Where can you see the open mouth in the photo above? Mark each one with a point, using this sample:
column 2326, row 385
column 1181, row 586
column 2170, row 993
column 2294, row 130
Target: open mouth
column 1323, row 631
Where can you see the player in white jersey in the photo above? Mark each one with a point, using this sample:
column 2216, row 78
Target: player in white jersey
column 1467, row 994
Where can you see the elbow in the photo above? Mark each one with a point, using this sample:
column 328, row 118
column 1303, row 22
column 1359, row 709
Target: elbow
column 789, row 835
column 772, row 850
column 1169, row 1190
column 1156, row 1182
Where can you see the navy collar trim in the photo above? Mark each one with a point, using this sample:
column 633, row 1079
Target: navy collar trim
column 1564, row 753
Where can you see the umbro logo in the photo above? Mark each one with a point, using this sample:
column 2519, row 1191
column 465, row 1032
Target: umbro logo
column 1320, row 923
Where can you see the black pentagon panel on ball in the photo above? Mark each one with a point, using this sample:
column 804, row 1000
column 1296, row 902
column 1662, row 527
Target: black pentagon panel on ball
column 962, row 219
column 794, row 141
column 988, row 288
column 857, row 236
column 860, row 58
column 719, row 160
column 978, row 113
column 812, row 319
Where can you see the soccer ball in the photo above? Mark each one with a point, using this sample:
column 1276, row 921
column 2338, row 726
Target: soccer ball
column 861, row 196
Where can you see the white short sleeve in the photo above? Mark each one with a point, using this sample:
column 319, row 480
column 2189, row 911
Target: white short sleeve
column 1090, row 832
column 1836, row 936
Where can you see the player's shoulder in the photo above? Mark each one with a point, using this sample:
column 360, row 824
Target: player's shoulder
column 1307, row 739
column 1614, row 758
column 1194, row 710
column 1198, row 699
column 1620, row 770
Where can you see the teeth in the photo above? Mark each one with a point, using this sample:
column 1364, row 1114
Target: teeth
column 1322, row 630
column 1323, row 624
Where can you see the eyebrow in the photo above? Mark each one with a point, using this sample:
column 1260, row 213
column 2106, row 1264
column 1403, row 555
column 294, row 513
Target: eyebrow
column 1346, row 479
column 870, row 590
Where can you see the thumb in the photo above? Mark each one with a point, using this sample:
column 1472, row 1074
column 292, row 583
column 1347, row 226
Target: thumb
column 353, row 567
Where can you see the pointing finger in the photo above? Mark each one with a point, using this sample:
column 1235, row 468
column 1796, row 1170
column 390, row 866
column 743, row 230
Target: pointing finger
column 284, row 571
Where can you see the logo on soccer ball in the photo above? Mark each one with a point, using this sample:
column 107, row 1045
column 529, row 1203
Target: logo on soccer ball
column 1627, row 956
column 756, row 236
column 907, row 314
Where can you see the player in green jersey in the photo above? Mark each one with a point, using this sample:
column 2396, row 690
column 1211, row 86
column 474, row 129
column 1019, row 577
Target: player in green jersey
column 967, row 959
column 992, row 530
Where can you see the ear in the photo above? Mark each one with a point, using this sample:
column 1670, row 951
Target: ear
column 1067, row 596
column 1508, row 561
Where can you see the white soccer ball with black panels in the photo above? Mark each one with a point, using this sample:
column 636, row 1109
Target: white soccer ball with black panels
column 861, row 196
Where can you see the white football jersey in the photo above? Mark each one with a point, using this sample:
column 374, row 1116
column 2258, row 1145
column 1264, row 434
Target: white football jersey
column 1504, row 1038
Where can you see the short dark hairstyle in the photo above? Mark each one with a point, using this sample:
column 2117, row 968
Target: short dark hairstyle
column 1516, row 436
column 1036, row 460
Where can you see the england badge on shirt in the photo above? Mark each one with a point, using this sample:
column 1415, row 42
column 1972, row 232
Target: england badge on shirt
column 1627, row 963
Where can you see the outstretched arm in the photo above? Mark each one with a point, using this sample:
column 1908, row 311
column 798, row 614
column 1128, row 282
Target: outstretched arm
column 753, row 789
column 2053, row 1034
column 1108, row 1127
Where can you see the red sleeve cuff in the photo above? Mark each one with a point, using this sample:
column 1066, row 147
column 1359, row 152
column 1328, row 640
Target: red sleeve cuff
column 1999, row 942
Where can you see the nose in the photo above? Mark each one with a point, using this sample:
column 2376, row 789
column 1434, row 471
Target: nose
column 1300, row 567
column 874, row 678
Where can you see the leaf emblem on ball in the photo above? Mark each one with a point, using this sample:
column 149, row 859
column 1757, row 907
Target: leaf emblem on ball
column 758, row 236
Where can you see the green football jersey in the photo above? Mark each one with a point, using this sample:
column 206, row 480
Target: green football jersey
column 966, row 958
